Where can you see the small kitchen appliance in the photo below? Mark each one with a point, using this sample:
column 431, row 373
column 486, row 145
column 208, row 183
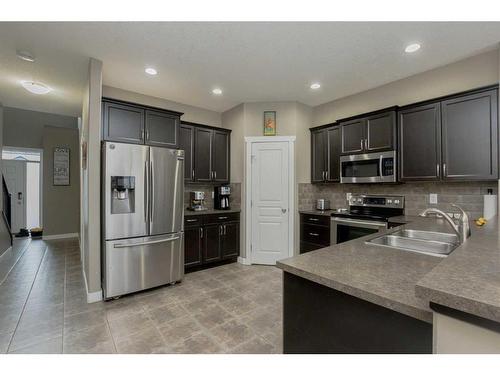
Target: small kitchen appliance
column 221, row 197
column 367, row 214
column 322, row 204
column 197, row 201
column 375, row 167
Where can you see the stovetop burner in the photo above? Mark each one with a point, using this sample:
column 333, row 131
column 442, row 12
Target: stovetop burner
column 373, row 207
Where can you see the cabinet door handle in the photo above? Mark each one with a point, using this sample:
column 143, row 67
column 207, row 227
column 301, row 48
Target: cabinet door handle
column 201, row 232
column 361, row 144
column 437, row 169
column 366, row 144
column 191, row 220
column 225, row 229
column 222, row 217
column 220, row 230
column 192, row 175
column 326, row 175
column 215, row 175
column 444, row 169
column 314, row 234
column 313, row 219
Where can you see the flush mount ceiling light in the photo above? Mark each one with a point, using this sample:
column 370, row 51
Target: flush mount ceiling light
column 36, row 87
column 217, row 91
column 410, row 48
column 315, row 86
column 151, row 71
column 26, row 56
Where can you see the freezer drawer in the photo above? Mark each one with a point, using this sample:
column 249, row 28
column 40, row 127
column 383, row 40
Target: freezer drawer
column 141, row 263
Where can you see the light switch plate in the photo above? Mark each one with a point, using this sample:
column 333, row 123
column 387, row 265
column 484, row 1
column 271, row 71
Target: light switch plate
column 433, row 198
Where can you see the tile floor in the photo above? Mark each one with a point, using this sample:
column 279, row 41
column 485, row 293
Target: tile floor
column 227, row 309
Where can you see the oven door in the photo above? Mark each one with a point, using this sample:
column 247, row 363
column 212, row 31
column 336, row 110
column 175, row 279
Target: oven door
column 368, row 168
column 344, row 229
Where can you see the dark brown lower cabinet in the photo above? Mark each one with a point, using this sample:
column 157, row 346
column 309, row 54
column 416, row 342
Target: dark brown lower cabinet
column 314, row 232
column 211, row 238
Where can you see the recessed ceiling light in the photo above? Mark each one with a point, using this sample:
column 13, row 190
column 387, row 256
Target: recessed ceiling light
column 217, row 91
column 410, row 48
column 26, row 56
column 36, row 87
column 151, row 71
column 315, row 86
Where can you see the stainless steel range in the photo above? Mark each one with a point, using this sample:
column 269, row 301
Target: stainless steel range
column 367, row 215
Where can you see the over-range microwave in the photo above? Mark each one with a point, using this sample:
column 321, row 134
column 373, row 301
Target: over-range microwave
column 374, row 167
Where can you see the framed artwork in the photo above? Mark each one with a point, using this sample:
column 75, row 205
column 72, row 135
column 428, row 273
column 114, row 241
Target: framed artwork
column 61, row 166
column 269, row 122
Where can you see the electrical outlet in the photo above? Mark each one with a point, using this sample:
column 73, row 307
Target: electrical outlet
column 348, row 196
column 433, row 198
column 213, row 195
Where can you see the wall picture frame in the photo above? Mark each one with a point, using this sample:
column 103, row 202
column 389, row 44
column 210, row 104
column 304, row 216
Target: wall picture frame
column 269, row 123
column 61, row 166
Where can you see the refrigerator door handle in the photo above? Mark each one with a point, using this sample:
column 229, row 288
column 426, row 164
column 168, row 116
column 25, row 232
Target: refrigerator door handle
column 151, row 192
column 146, row 191
column 122, row 245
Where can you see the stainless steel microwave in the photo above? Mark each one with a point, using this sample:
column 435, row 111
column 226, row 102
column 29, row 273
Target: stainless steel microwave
column 368, row 168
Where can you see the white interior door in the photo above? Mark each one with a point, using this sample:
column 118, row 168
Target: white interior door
column 270, row 172
column 14, row 172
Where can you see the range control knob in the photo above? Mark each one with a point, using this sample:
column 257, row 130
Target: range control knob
column 389, row 201
column 396, row 201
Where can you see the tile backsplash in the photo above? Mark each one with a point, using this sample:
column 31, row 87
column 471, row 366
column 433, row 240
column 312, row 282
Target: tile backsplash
column 234, row 199
column 468, row 195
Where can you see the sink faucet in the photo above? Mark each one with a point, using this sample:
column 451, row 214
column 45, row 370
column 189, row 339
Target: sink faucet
column 462, row 229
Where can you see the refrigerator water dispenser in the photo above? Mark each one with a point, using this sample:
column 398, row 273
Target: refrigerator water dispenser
column 122, row 194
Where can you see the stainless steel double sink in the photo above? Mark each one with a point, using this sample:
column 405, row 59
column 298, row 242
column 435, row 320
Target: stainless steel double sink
column 427, row 242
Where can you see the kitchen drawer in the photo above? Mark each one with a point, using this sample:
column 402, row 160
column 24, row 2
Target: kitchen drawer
column 315, row 234
column 222, row 218
column 192, row 220
column 316, row 219
column 305, row 247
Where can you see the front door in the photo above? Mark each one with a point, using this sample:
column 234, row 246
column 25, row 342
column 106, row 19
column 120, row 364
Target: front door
column 14, row 172
column 270, row 173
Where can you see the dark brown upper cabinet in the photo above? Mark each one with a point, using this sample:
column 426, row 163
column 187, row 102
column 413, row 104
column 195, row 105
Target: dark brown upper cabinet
column 333, row 156
column 186, row 143
column 420, row 142
column 132, row 123
column 319, row 149
column 470, row 137
column 325, row 154
column 162, row 129
column 372, row 132
column 207, row 153
column 123, row 123
column 220, row 156
column 203, row 154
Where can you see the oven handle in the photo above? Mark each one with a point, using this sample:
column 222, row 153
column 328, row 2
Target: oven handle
column 365, row 223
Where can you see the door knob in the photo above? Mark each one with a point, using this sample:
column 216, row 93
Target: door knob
column 283, row 210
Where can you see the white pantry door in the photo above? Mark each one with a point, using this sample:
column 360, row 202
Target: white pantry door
column 14, row 172
column 269, row 202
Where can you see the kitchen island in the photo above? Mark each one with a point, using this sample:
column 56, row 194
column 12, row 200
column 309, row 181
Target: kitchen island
column 360, row 298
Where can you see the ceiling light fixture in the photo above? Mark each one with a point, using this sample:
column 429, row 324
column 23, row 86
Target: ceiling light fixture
column 36, row 87
column 410, row 48
column 151, row 71
column 315, row 86
column 217, row 91
column 26, row 56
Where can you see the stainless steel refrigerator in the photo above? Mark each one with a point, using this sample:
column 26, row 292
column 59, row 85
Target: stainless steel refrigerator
column 142, row 200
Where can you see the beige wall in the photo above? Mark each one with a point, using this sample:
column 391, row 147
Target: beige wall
column 90, row 133
column 246, row 120
column 25, row 128
column 191, row 113
column 477, row 71
column 61, row 204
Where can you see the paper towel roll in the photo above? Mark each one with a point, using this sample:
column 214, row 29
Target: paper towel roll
column 489, row 206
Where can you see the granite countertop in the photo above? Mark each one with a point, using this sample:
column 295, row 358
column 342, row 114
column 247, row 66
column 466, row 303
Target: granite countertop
column 210, row 211
column 467, row 280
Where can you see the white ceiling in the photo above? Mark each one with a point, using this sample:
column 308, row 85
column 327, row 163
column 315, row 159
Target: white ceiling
column 249, row 61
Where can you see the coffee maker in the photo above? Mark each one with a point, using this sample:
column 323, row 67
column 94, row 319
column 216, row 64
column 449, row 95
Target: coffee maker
column 221, row 197
column 197, row 201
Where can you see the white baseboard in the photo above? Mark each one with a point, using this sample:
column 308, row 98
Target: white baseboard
column 60, row 236
column 245, row 261
column 94, row 296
